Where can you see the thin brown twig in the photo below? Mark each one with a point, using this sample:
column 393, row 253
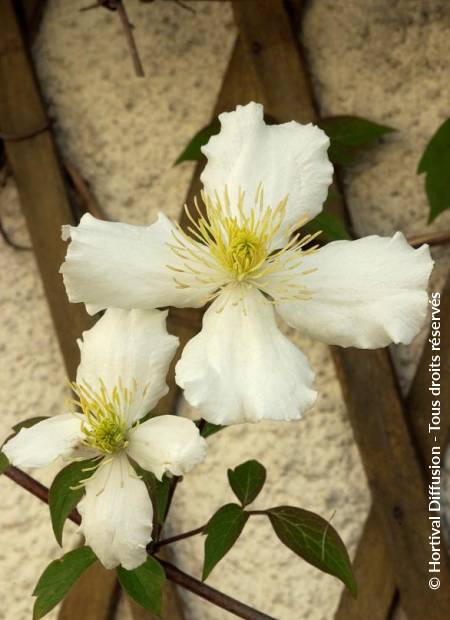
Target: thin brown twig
column 172, row 572
column 128, row 30
column 7, row 239
column 89, row 203
column 194, row 532
column 432, row 238
column 177, row 479
column 172, row 539
column 211, row 594
column 34, row 487
column 118, row 5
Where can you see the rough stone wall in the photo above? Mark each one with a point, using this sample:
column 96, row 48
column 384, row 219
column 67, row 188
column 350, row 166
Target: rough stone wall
column 380, row 59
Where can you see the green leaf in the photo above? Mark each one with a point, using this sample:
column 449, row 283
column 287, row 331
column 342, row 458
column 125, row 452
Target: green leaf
column 63, row 497
column 331, row 225
column 29, row 423
column 159, row 491
column 4, row 463
column 208, row 429
column 58, row 578
column 148, row 416
column 144, row 584
column 247, row 480
column 222, row 531
column 192, row 152
column 349, row 134
column 314, row 540
column 435, row 162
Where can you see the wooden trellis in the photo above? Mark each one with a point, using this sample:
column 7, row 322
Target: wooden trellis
column 267, row 66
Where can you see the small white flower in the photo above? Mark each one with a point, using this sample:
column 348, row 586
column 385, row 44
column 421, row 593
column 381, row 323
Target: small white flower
column 121, row 377
column 260, row 184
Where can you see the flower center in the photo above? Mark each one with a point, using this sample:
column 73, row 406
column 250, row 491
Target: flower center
column 223, row 246
column 108, row 434
column 245, row 251
column 104, row 425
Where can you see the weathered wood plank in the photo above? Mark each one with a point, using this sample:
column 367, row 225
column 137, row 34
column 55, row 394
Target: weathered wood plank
column 94, row 596
column 37, row 172
column 185, row 323
column 40, row 182
column 240, row 86
column 377, row 415
column 44, row 202
column 418, row 403
column 374, row 575
column 30, row 12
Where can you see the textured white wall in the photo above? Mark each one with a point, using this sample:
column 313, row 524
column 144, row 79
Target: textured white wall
column 383, row 60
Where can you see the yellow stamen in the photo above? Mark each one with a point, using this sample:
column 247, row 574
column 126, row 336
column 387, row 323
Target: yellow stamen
column 224, row 247
column 104, row 423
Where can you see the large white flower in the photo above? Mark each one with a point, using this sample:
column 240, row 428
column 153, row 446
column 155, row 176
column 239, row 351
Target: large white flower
column 261, row 183
column 121, row 377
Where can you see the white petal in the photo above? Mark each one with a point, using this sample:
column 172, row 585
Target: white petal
column 167, row 443
column 114, row 265
column 44, row 442
column 288, row 160
column 366, row 293
column 132, row 347
column 241, row 368
column 117, row 515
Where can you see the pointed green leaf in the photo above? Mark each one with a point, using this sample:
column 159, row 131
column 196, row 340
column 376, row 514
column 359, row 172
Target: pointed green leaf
column 193, row 150
column 222, row 531
column 208, row 429
column 348, row 134
column 159, row 492
column 247, row 480
column 148, row 416
column 331, row 225
column 435, row 163
column 58, row 578
column 63, row 497
column 144, row 584
column 29, row 423
column 314, row 540
column 4, row 463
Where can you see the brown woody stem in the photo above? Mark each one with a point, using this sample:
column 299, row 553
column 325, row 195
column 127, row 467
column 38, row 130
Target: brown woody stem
column 172, row 539
column 172, row 572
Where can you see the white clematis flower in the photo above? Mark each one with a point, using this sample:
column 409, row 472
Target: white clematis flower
column 260, row 184
column 121, row 377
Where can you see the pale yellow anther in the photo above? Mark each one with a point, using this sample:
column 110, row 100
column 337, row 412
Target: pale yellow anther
column 103, row 424
column 225, row 246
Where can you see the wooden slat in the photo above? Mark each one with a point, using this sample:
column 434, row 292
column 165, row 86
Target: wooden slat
column 240, row 86
column 418, row 401
column 172, row 607
column 237, row 87
column 31, row 12
column 373, row 402
column 45, row 204
column 94, row 596
column 418, row 405
column 39, row 180
column 374, row 574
